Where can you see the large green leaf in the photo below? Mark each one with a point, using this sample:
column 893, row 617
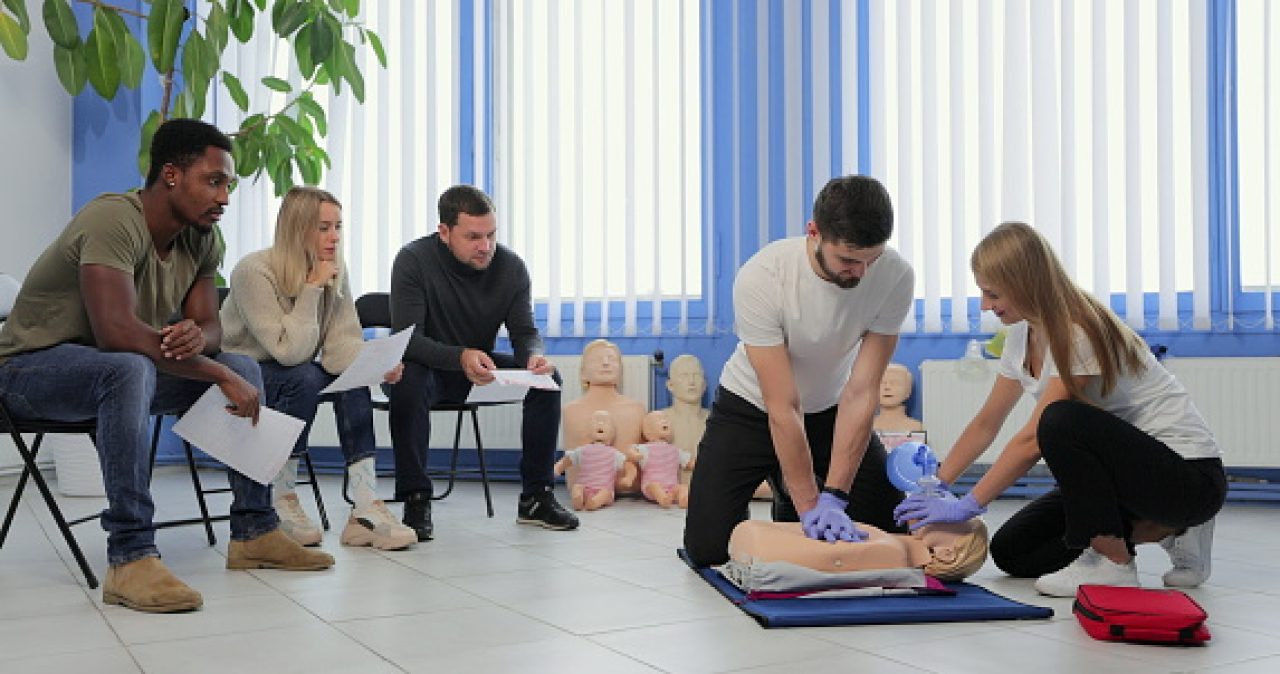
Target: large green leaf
column 217, row 27
column 309, row 168
column 164, row 31
column 276, row 84
column 60, row 21
column 378, row 50
column 353, row 7
column 73, row 72
column 321, row 37
column 101, row 55
column 293, row 17
column 242, row 18
column 19, row 9
column 144, row 146
column 12, row 39
column 236, row 90
column 128, row 51
column 294, row 131
column 351, row 71
column 302, row 53
column 313, row 110
column 198, row 68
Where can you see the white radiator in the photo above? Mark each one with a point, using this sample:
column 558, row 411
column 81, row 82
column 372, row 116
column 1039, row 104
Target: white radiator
column 1237, row 396
column 500, row 425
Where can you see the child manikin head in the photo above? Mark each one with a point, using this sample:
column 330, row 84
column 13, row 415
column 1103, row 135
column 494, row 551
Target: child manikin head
column 602, row 428
column 656, row 427
column 895, row 386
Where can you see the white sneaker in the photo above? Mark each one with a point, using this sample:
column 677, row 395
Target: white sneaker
column 1090, row 568
column 294, row 521
column 377, row 527
column 1190, row 554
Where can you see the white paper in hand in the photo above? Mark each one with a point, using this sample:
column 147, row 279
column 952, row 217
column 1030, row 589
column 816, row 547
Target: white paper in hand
column 510, row 386
column 376, row 358
column 257, row 452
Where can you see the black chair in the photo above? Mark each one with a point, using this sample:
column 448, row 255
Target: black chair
column 16, row 428
column 205, row 518
column 374, row 310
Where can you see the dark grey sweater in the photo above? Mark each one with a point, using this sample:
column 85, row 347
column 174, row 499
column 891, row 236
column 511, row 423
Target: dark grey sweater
column 456, row 307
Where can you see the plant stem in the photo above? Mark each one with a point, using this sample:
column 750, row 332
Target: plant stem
column 114, row 8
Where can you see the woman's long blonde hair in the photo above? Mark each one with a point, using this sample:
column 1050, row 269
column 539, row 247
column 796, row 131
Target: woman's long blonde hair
column 291, row 255
column 1021, row 263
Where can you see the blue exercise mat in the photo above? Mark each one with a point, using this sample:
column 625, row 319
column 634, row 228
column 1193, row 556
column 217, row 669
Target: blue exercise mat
column 969, row 603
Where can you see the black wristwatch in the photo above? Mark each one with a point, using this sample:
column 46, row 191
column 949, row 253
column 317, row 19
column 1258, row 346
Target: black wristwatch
column 842, row 495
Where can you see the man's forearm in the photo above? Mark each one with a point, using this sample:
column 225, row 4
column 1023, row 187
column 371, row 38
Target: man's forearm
column 849, row 441
column 792, row 449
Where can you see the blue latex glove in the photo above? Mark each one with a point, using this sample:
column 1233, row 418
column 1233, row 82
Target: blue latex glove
column 828, row 521
column 926, row 510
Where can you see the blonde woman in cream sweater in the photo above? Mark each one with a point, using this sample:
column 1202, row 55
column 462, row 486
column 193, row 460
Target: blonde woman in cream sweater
column 290, row 308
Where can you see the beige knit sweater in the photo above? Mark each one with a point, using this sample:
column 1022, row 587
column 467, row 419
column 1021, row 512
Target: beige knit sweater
column 259, row 321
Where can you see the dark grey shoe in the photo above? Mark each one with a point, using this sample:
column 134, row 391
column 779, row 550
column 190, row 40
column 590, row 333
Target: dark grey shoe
column 542, row 509
column 417, row 515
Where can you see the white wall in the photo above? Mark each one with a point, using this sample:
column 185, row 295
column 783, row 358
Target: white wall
column 35, row 165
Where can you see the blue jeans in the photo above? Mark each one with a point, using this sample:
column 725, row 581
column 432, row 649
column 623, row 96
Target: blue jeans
column 70, row 382
column 296, row 391
column 422, row 387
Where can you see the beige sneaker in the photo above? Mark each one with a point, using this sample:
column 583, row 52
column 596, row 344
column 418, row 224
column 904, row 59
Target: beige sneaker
column 294, row 521
column 377, row 527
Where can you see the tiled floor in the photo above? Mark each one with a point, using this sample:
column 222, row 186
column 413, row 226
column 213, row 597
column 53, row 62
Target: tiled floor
column 489, row 595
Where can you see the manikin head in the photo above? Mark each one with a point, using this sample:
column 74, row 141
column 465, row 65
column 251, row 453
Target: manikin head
column 895, row 386
column 468, row 226
column 687, row 382
column 656, row 427
column 601, row 365
column 602, row 428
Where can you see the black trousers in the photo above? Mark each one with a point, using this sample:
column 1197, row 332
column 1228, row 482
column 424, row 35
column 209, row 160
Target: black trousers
column 1110, row 474
column 737, row 452
column 422, row 387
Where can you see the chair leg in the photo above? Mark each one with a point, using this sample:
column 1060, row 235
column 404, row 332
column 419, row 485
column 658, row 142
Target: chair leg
column 29, row 460
column 195, row 483
column 17, row 491
column 484, row 470
column 315, row 489
column 453, row 460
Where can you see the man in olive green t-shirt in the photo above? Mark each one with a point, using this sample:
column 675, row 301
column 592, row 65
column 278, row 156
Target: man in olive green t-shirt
column 88, row 339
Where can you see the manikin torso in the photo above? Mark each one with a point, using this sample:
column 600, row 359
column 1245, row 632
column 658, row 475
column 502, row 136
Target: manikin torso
column 601, row 374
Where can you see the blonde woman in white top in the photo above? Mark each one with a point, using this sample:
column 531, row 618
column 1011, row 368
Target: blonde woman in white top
column 290, row 308
column 1133, row 458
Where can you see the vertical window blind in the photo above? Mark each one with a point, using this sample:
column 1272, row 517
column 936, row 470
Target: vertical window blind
column 1084, row 118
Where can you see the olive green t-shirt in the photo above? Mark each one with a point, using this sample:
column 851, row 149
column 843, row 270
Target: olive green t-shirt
column 110, row 231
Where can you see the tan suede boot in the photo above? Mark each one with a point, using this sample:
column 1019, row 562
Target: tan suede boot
column 147, row 585
column 275, row 550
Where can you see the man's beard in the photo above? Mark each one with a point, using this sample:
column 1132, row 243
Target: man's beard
column 851, row 282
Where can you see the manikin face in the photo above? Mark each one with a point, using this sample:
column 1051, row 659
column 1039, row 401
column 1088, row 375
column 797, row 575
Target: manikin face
column 656, row 426
column 895, row 388
column 601, row 365
column 473, row 240
column 202, row 190
column 327, row 235
column 687, row 383
column 602, row 430
column 840, row 263
column 996, row 301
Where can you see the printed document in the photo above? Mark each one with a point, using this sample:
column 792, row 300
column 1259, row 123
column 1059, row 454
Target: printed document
column 256, row 451
column 510, row 386
column 376, row 358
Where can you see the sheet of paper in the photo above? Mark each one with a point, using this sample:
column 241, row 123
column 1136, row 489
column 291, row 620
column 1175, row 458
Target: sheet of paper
column 256, row 451
column 510, row 386
column 376, row 358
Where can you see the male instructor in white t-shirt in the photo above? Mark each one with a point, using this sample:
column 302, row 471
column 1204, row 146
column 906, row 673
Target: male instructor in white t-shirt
column 817, row 319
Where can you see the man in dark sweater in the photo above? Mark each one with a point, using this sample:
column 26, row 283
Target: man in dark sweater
column 458, row 286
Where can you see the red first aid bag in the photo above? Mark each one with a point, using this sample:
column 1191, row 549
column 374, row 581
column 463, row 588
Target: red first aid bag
column 1136, row 614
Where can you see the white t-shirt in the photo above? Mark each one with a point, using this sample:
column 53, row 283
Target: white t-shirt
column 1153, row 400
column 779, row 299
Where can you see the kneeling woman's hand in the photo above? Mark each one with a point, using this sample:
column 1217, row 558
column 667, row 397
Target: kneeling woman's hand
column 922, row 510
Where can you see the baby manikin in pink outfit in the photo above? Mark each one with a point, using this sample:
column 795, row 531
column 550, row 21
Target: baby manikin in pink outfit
column 599, row 464
column 660, row 462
